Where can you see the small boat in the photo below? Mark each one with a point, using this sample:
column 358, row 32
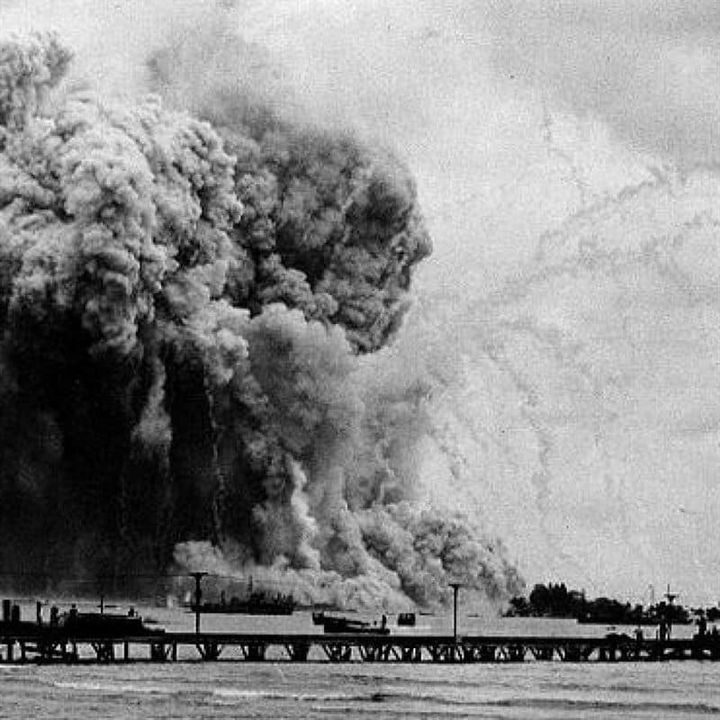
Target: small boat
column 335, row 624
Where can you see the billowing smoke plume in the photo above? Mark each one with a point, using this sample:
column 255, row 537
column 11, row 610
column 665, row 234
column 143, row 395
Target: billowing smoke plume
column 190, row 317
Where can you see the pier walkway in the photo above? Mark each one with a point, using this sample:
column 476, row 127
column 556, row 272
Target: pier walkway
column 43, row 644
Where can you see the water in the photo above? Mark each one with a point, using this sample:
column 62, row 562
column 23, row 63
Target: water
column 194, row 690
column 232, row 690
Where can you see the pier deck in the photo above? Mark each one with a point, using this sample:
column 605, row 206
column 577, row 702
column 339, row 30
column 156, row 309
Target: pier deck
column 48, row 645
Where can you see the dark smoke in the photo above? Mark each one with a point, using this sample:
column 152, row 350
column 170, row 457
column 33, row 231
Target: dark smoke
column 186, row 312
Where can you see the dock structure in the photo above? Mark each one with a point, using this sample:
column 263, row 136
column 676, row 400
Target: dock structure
column 48, row 645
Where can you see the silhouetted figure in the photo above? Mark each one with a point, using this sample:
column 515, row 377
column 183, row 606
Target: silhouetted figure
column 383, row 622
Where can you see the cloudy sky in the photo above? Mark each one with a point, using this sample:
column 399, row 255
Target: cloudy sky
column 566, row 155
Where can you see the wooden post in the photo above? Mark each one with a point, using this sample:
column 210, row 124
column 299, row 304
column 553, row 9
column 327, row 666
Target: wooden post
column 455, row 586
column 198, row 597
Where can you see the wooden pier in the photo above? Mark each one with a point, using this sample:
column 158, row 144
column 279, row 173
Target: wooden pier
column 44, row 644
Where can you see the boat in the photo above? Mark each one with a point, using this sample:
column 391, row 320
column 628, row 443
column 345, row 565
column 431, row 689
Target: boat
column 339, row 624
column 257, row 603
column 103, row 625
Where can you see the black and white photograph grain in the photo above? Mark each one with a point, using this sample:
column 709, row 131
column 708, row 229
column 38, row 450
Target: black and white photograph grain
column 359, row 359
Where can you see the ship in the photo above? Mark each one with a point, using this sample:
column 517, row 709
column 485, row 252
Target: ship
column 339, row 624
column 76, row 624
column 102, row 624
column 256, row 603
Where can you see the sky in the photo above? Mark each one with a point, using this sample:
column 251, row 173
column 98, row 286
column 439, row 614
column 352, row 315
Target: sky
column 566, row 156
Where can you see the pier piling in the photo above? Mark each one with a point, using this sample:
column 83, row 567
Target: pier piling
column 29, row 642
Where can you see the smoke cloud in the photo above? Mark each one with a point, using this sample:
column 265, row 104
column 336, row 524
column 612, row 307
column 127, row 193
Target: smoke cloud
column 195, row 318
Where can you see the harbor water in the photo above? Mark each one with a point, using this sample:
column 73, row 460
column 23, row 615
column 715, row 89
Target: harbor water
column 275, row 690
column 231, row 689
